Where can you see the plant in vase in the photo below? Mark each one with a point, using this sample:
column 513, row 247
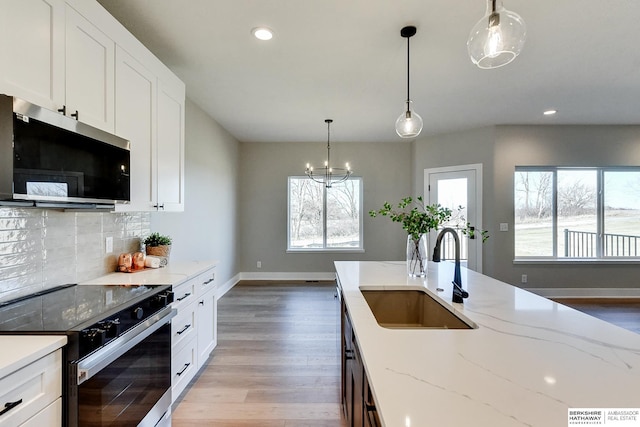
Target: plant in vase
column 417, row 219
column 157, row 244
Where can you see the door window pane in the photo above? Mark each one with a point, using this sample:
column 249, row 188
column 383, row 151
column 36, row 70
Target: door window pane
column 533, row 213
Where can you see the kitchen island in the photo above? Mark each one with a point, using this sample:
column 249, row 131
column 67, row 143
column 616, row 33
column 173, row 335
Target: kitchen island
column 528, row 362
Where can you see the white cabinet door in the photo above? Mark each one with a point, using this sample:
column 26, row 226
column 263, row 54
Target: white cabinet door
column 171, row 100
column 207, row 336
column 89, row 72
column 136, row 100
column 32, row 51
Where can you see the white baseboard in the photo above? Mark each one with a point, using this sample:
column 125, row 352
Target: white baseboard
column 586, row 292
column 286, row 276
column 229, row 284
column 226, row 287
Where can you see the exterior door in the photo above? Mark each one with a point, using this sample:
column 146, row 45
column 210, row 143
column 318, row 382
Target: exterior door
column 454, row 187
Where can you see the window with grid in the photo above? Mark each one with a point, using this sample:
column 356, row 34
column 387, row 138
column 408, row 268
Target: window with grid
column 324, row 219
column 577, row 213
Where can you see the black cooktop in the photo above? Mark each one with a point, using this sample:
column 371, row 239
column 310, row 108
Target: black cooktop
column 70, row 308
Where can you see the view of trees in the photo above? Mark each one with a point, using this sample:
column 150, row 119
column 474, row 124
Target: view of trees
column 577, row 214
column 307, row 214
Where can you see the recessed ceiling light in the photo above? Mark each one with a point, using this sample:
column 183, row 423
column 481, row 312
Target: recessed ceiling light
column 262, row 33
column 550, row 112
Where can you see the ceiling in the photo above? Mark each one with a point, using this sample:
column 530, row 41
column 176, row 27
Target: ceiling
column 346, row 60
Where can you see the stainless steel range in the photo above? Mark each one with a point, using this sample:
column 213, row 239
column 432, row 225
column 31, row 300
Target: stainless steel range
column 117, row 363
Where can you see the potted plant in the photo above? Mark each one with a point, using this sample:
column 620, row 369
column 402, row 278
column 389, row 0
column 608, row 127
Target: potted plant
column 417, row 219
column 157, row 244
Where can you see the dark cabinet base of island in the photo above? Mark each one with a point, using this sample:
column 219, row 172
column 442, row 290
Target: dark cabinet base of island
column 357, row 399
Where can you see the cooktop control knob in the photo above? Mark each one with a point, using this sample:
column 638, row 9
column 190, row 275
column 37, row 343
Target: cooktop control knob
column 138, row 313
column 111, row 327
column 93, row 338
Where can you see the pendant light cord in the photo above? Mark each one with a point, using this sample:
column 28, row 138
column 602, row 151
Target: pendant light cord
column 408, row 55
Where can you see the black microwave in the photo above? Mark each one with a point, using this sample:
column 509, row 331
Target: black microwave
column 51, row 160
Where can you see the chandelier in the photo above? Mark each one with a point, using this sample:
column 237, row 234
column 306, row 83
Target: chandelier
column 328, row 175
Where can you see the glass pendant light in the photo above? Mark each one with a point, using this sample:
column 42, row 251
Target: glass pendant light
column 409, row 124
column 497, row 38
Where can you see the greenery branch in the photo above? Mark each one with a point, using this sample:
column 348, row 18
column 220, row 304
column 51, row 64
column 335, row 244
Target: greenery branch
column 417, row 218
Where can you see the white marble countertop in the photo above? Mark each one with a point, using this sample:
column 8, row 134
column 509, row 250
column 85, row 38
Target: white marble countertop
column 172, row 274
column 529, row 361
column 25, row 349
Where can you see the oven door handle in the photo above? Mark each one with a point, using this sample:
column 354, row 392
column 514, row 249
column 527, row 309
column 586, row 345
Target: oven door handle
column 94, row 363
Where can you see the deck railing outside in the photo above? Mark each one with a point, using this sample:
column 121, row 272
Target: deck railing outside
column 583, row 244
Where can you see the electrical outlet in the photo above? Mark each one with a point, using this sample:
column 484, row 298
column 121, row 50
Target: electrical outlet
column 108, row 245
column 259, row 264
column 504, row 226
column 524, row 278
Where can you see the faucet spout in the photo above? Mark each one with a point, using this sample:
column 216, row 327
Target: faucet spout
column 459, row 294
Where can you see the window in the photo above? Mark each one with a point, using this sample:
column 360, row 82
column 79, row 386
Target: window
column 569, row 213
column 325, row 219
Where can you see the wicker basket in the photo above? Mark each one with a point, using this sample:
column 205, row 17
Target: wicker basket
column 162, row 250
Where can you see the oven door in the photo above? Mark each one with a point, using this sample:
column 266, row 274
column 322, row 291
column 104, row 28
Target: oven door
column 129, row 382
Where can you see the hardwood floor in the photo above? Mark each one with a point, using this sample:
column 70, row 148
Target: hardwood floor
column 277, row 363
column 622, row 312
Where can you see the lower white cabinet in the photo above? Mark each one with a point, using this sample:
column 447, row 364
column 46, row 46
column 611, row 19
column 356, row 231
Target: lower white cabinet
column 194, row 328
column 34, row 393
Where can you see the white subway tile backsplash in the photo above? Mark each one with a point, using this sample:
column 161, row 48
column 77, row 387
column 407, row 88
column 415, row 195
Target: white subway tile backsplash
column 40, row 249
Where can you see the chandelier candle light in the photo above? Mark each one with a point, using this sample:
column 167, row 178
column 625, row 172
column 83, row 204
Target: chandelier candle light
column 497, row 38
column 409, row 124
column 329, row 175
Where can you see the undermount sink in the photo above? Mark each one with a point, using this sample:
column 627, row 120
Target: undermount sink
column 411, row 309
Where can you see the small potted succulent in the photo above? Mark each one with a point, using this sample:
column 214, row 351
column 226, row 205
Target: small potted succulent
column 157, row 244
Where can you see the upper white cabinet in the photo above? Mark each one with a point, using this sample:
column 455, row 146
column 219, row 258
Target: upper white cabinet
column 171, row 146
column 136, row 120
column 32, row 51
column 89, row 72
column 74, row 57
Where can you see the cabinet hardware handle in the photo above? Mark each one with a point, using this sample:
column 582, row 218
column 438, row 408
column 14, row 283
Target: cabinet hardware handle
column 9, row 406
column 208, row 281
column 63, row 110
column 185, row 296
column 348, row 354
column 186, row 365
column 159, row 206
column 180, row 332
column 202, row 302
column 75, row 115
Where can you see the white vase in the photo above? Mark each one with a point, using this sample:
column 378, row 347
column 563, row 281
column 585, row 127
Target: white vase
column 417, row 256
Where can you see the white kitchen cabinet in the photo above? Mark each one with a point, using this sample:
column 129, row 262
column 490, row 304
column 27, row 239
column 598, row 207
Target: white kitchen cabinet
column 136, row 120
column 194, row 329
column 170, row 154
column 89, row 72
column 33, row 389
column 207, row 315
column 32, row 51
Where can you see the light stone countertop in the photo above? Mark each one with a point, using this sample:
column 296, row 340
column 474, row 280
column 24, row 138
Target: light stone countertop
column 21, row 350
column 172, row 274
column 527, row 364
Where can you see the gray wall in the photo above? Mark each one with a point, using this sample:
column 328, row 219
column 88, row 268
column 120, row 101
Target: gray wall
column 208, row 227
column 500, row 149
column 386, row 173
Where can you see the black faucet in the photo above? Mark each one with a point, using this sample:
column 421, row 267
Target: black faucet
column 458, row 293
